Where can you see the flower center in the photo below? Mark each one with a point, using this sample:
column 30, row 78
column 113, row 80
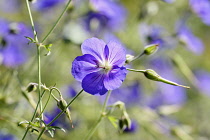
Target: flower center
column 106, row 66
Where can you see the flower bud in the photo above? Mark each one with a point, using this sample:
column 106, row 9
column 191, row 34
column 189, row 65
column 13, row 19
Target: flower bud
column 62, row 105
column 124, row 122
column 152, row 75
column 129, row 58
column 31, row 87
column 150, row 49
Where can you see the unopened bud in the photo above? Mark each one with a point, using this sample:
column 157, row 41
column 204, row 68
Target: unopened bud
column 129, row 58
column 31, row 87
column 152, row 75
column 63, row 106
column 124, row 122
column 150, row 49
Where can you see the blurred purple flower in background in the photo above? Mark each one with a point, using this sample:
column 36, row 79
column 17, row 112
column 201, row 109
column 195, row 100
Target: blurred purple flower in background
column 192, row 42
column 134, row 127
column 155, row 34
column 6, row 136
column 166, row 94
column 61, row 122
column 47, row 4
column 203, row 81
column 106, row 15
column 13, row 45
column 169, row 1
column 100, row 68
column 9, row 6
column 202, row 9
column 130, row 95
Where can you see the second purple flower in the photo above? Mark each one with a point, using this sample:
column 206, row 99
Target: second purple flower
column 101, row 67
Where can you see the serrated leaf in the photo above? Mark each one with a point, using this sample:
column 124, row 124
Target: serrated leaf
column 113, row 121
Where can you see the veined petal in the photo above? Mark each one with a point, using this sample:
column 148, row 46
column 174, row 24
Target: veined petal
column 115, row 78
column 117, row 55
column 84, row 65
column 95, row 47
column 93, row 83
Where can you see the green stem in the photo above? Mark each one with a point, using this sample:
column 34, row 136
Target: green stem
column 59, row 114
column 53, row 88
column 41, row 133
column 138, row 56
column 39, row 63
column 103, row 113
column 33, row 116
column 58, row 20
column 142, row 71
column 38, row 53
column 45, row 106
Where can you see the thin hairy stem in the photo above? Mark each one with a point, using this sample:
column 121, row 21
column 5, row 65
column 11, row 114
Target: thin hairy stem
column 58, row 20
column 103, row 113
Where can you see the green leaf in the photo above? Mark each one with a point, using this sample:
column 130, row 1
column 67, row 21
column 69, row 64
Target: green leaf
column 31, row 40
column 48, row 48
column 113, row 121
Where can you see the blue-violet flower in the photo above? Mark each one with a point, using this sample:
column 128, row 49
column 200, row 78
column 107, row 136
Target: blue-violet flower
column 100, row 68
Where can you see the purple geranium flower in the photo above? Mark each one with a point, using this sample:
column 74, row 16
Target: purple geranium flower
column 101, row 67
column 201, row 8
column 193, row 43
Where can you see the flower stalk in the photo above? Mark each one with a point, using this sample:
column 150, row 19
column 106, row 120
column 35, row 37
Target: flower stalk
column 103, row 114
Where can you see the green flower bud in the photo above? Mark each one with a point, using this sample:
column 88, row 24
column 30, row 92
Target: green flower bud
column 152, row 75
column 150, row 49
column 62, row 104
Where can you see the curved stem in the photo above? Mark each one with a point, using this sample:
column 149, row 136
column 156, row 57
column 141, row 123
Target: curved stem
column 58, row 20
column 59, row 114
column 103, row 113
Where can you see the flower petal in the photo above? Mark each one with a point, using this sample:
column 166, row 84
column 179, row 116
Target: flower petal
column 84, row 65
column 115, row 78
column 93, row 83
column 95, row 47
column 117, row 55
